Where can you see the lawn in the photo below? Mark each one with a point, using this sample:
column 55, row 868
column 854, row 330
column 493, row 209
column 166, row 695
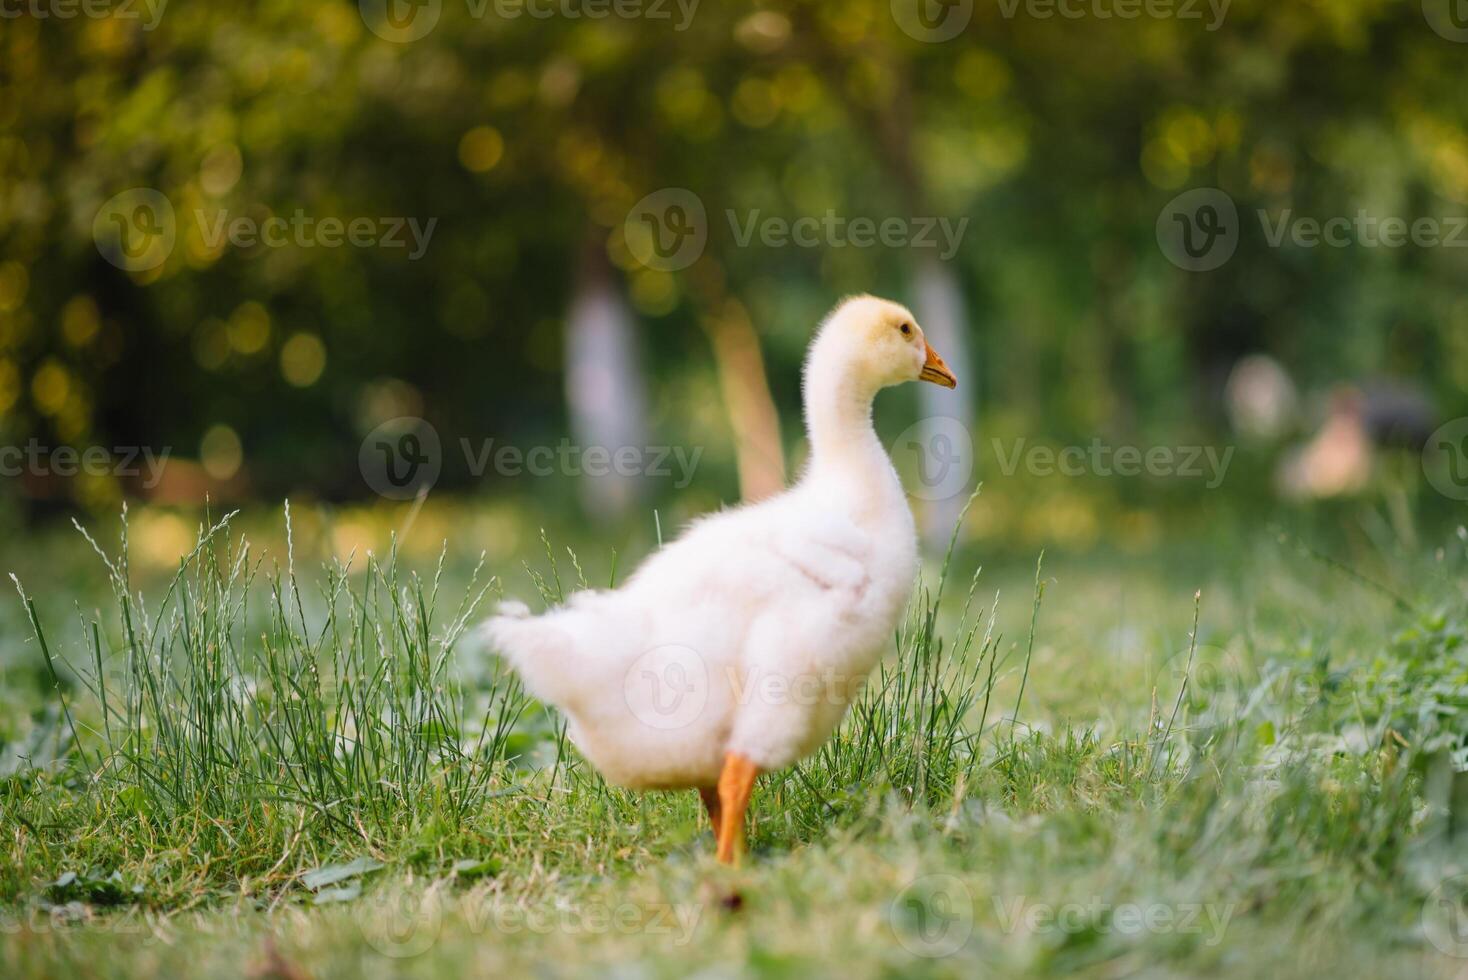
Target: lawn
column 1233, row 754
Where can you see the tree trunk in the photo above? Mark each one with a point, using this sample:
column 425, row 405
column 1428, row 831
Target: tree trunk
column 940, row 309
column 759, row 452
column 605, row 386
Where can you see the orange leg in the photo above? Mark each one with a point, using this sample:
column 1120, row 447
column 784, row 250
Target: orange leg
column 736, row 783
column 710, row 797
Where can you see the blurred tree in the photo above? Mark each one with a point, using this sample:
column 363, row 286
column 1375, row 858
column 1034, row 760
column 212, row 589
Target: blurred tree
column 604, row 383
column 1060, row 139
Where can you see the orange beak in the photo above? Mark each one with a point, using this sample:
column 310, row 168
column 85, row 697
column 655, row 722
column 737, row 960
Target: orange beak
column 936, row 371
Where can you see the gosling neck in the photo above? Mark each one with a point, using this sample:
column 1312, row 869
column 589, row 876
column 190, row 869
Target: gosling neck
column 838, row 419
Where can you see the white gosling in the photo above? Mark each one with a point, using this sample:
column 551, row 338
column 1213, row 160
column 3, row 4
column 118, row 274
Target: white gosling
column 737, row 648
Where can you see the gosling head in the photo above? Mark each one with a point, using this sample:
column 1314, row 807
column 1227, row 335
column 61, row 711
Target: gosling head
column 879, row 343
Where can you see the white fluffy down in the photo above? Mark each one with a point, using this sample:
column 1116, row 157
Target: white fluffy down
column 754, row 630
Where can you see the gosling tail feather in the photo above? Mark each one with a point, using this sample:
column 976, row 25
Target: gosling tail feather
column 541, row 649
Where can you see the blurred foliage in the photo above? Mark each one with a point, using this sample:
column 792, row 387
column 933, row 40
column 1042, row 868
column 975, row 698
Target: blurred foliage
column 528, row 138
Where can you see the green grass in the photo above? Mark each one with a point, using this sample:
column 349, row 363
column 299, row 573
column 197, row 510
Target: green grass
column 1076, row 766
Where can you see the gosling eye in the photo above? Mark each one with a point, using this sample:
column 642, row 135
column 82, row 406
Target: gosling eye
column 906, row 329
